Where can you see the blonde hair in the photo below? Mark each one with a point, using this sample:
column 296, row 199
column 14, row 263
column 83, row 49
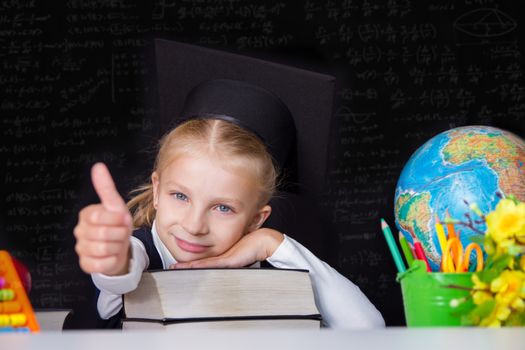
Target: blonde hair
column 231, row 144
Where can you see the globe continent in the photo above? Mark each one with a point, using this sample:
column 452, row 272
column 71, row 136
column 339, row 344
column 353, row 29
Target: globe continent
column 454, row 169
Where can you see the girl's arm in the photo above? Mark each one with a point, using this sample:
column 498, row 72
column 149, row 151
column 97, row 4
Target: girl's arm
column 122, row 284
column 254, row 246
column 340, row 302
column 112, row 288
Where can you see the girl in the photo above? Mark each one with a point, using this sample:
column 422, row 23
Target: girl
column 204, row 207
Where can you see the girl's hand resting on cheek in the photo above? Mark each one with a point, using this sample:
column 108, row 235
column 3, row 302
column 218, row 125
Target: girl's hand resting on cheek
column 254, row 246
column 103, row 230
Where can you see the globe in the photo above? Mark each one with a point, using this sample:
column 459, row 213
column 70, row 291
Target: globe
column 448, row 174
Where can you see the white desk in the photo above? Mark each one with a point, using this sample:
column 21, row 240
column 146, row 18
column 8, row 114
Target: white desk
column 390, row 338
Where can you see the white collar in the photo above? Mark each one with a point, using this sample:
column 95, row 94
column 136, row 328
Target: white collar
column 165, row 255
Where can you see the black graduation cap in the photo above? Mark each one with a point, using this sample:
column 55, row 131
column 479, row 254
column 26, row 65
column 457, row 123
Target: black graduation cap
column 194, row 81
column 248, row 106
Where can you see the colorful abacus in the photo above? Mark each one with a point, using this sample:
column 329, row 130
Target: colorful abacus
column 16, row 313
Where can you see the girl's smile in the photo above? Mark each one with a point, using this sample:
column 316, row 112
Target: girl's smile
column 191, row 247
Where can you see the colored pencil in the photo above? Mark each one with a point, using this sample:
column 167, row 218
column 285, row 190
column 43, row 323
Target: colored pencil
column 398, row 260
column 442, row 238
column 420, row 253
column 409, row 257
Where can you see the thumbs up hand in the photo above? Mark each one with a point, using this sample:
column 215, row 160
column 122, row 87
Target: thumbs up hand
column 103, row 230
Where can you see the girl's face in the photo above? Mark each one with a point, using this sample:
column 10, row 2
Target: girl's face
column 203, row 209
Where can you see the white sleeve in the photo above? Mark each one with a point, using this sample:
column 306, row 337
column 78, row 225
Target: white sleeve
column 340, row 302
column 111, row 288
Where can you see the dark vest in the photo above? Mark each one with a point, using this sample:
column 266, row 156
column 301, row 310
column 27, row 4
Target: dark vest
column 145, row 236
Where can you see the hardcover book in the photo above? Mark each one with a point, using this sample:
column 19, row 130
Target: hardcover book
column 222, row 298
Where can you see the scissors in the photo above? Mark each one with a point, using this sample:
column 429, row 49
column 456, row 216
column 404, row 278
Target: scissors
column 457, row 260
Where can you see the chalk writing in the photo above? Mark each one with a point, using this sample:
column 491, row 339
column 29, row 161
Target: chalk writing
column 78, row 86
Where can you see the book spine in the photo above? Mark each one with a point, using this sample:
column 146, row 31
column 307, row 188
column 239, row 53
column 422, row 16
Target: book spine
column 166, row 321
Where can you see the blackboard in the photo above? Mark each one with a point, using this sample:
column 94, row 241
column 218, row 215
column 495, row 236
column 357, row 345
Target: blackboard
column 77, row 84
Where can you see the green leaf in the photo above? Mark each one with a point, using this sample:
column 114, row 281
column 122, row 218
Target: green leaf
column 477, row 314
column 515, row 249
column 477, row 239
column 484, row 309
column 494, row 267
column 501, row 262
column 486, row 276
column 512, row 198
column 515, row 319
column 489, row 246
column 468, row 320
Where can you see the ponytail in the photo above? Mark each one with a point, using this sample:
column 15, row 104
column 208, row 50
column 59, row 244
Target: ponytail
column 141, row 206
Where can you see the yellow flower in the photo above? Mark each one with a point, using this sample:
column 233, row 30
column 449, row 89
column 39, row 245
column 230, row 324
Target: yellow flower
column 497, row 317
column 502, row 312
column 491, row 320
column 481, row 296
column 518, row 305
column 506, row 222
column 481, row 292
column 503, row 285
column 478, row 284
column 509, row 287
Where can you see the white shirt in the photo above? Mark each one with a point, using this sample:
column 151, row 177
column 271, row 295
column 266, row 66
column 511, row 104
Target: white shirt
column 340, row 302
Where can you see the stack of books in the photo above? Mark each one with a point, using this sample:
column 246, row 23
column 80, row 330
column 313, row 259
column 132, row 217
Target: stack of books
column 244, row 298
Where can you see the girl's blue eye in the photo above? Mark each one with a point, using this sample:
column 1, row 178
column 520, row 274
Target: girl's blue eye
column 181, row 196
column 223, row 208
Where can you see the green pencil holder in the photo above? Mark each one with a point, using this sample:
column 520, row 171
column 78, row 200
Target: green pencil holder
column 427, row 296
